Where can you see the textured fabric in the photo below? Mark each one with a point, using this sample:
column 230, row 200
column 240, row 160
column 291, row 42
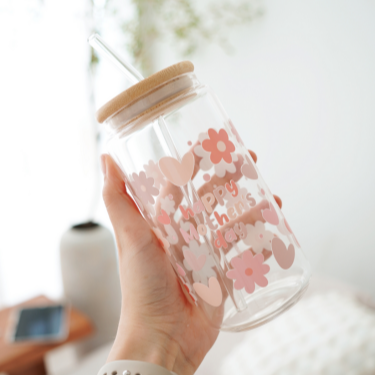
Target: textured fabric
column 326, row 334
column 134, row 367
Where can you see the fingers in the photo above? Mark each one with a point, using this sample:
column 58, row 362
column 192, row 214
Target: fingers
column 253, row 155
column 130, row 228
column 278, row 200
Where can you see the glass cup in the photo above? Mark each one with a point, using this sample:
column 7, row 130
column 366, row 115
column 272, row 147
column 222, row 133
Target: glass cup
column 194, row 182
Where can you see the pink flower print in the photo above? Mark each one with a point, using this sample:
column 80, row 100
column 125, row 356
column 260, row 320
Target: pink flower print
column 152, row 170
column 145, row 188
column 258, row 237
column 235, row 133
column 205, row 163
column 219, row 146
column 248, row 271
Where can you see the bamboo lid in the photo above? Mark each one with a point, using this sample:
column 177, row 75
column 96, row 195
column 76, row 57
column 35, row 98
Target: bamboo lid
column 141, row 88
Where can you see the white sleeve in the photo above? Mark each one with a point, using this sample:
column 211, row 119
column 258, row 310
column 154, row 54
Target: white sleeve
column 127, row 367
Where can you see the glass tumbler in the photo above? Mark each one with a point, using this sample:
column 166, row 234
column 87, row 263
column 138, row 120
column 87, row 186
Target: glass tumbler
column 196, row 185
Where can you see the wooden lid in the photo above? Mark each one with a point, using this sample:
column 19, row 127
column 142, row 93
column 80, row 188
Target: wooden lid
column 140, row 89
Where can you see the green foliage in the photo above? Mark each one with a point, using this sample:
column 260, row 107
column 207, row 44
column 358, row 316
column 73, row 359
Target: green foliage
column 185, row 24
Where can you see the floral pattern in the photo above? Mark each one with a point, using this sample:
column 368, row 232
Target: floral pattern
column 219, row 146
column 248, row 271
column 206, row 271
column 241, row 197
column 144, row 187
column 258, row 237
column 167, row 204
column 152, row 170
column 206, row 164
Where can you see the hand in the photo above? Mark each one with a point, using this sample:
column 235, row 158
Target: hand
column 158, row 323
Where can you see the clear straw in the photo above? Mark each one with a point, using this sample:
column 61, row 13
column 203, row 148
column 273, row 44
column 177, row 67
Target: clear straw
column 99, row 45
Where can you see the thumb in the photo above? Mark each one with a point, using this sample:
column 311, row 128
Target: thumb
column 130, row 228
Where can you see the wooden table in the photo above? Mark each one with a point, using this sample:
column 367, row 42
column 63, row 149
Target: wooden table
column 27, row 358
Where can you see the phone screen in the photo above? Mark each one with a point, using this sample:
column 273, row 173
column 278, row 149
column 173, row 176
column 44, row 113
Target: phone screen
column 40, row 323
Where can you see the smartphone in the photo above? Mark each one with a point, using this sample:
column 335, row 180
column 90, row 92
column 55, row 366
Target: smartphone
column 40, row 323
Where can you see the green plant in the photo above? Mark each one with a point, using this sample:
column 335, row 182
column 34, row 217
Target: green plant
column 185, row 24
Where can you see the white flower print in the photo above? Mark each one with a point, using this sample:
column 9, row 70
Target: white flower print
column 198, row 250
column 258, row 237
column 241, row 197
column 167, row 205
column 185, row 225
column 152, row 170
column 206, row 164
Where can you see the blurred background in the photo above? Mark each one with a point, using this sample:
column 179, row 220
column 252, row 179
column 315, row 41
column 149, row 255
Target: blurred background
column 296, row 77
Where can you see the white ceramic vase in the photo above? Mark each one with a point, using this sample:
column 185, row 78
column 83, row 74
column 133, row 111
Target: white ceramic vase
column 90, row 278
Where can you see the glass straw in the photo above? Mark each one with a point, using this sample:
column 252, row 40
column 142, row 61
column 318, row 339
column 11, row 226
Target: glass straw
column 99, row 45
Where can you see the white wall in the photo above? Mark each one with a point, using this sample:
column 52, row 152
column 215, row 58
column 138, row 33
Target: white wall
column 301, row 90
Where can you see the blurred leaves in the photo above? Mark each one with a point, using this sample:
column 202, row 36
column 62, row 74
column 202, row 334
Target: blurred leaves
column 184, row 24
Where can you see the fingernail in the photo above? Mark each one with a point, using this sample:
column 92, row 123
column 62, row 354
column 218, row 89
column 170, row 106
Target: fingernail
column 103, row 164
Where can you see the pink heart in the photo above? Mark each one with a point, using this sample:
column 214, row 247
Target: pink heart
column 174, row 171
column 195, row 263
column 164, row 218
column 212, row 293
column 270, row 215
column 283, row 256
column 248, row 170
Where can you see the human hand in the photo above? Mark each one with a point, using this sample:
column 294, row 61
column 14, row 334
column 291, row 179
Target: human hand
column 158, row 323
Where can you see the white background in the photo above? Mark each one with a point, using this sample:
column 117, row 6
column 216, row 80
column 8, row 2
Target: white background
column 300, row 88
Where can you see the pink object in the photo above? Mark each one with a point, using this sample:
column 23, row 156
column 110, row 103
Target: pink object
column 144, row 187
column 164, row 218
column 219, row 146
column 248, row 271
column 190, row 143
column 174, row 171
column 180, row 270
column 270, row 215
column 196, row 263
column 284, row 256
column 248, row 170
column 212, row 293
column 170, row 196
column 206, row 177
